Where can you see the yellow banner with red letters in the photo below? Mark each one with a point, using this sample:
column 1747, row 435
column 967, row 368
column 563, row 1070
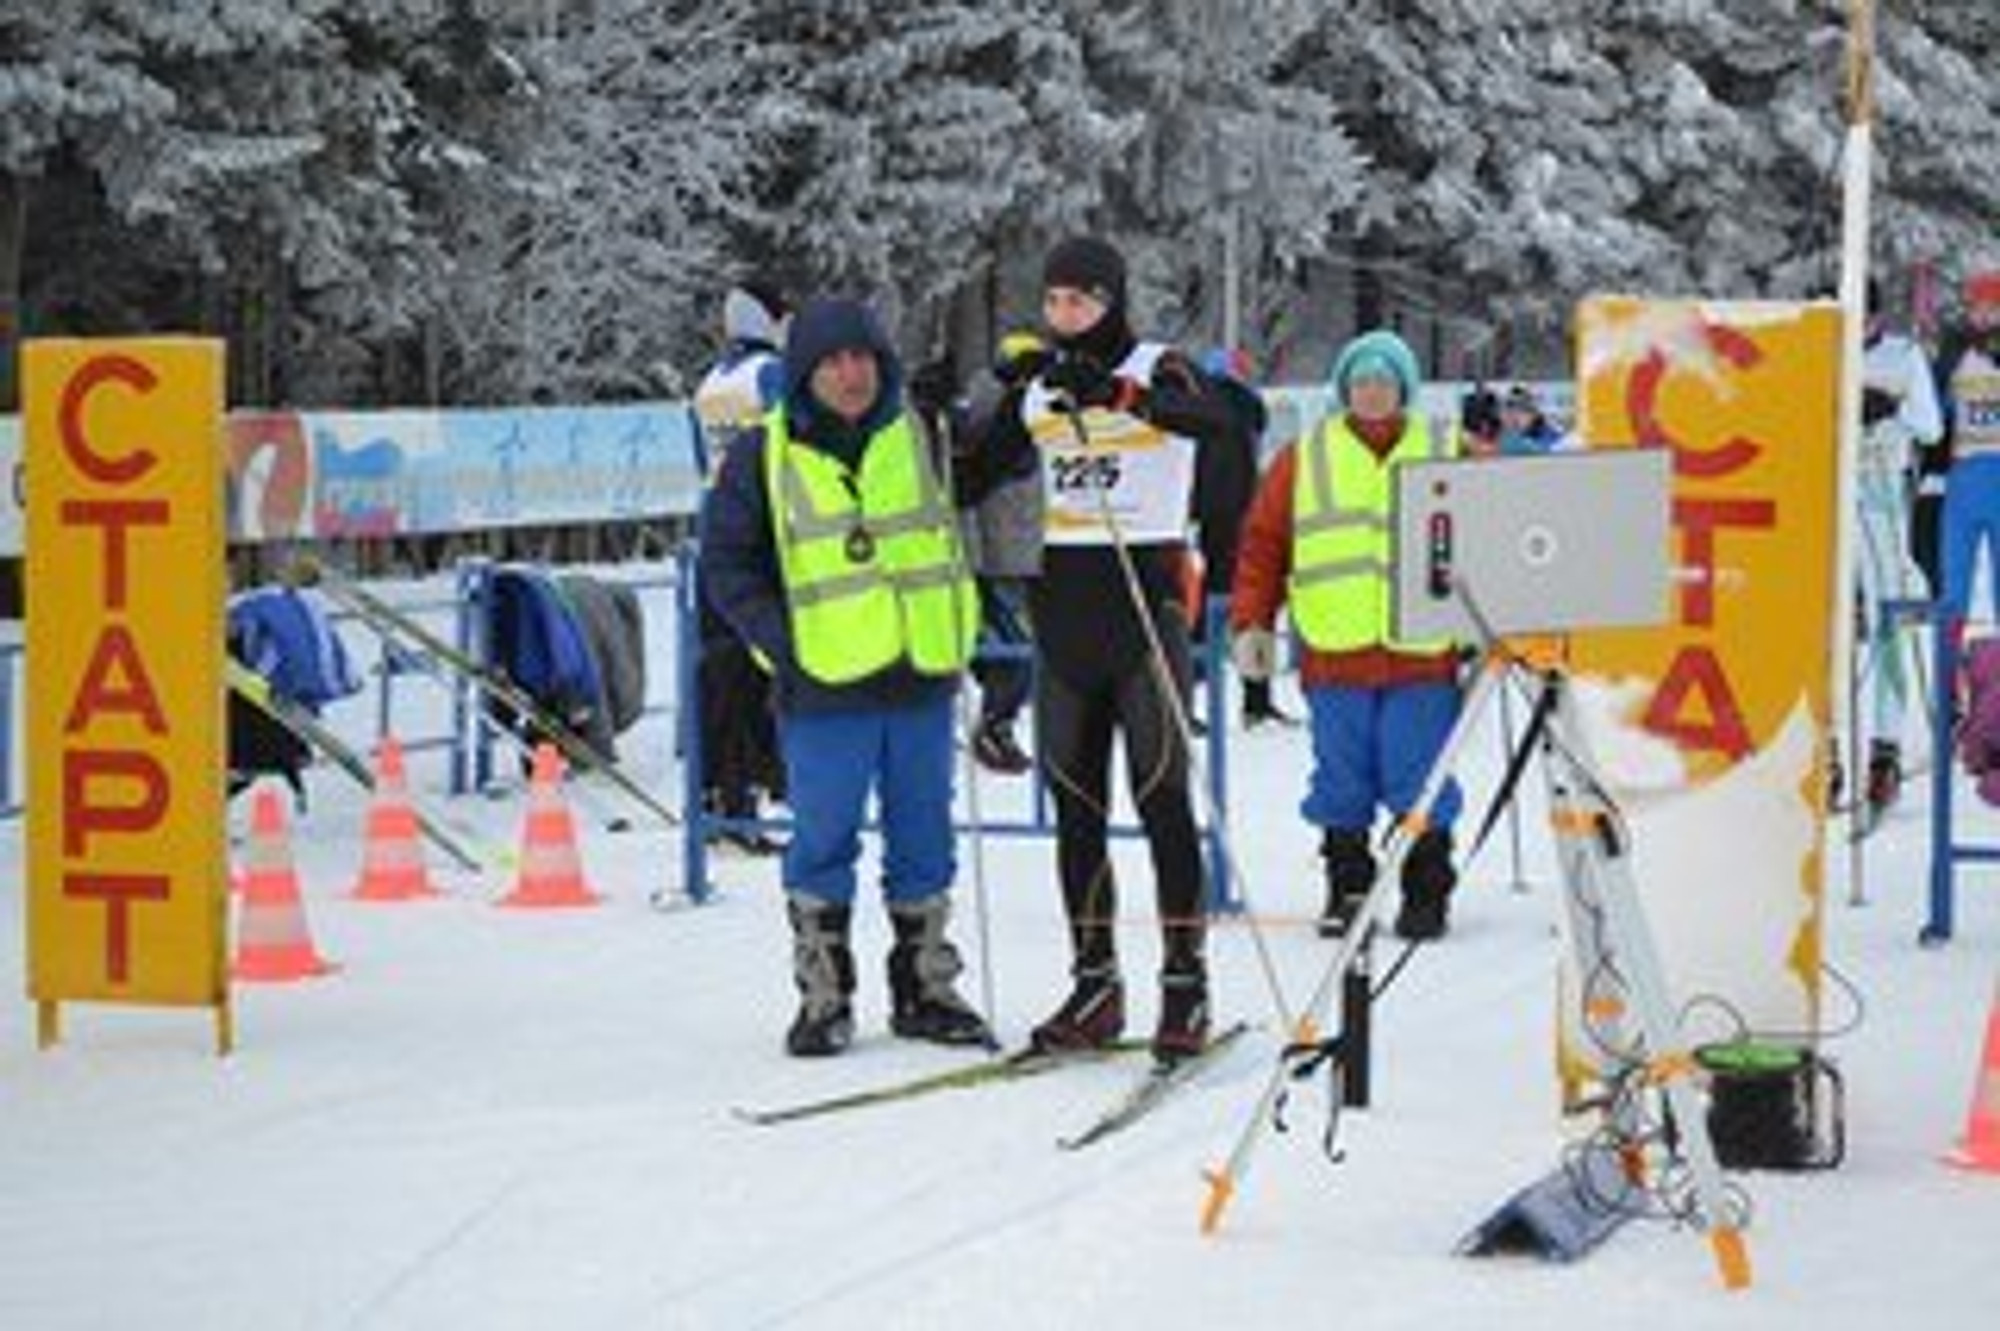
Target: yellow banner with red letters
column 124, row 470
column 1710, row 729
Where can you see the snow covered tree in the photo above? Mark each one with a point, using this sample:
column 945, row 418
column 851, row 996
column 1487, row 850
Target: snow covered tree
column 1523, row 156
column 590, row 275
column 255, row 165
column 908, row 143
column 1223, row 142
column 1939, row 137
column 497, row 199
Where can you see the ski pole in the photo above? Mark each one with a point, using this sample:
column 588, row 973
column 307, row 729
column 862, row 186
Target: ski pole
column 961, row 574
column 1169, row 690
column 310, row 731
column 432, row 670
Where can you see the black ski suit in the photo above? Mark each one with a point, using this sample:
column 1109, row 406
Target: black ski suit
column 1098, row 676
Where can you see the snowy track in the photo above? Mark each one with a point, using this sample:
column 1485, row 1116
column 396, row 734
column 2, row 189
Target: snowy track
column 508, row 1119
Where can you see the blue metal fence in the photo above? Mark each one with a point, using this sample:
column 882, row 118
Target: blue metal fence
column 1947, row 850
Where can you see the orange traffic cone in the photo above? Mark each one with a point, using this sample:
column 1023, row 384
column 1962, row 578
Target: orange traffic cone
column 392, row 861
column 551, row 868
column 1980, row 1147
column 271, row 939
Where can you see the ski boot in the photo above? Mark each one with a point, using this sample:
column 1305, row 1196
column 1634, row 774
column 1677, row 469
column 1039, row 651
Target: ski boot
column 1258, row 709
column 995, row 748
column 1182, row 1031
column 1350, row 872
column 1885, row 777
column 1092, row 1017
column 1428, row 879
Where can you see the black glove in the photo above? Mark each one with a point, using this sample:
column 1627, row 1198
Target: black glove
column 1078, row 376
column 1086, row 382
column 1018, row 369
column 1878, row 406
column 933, row 387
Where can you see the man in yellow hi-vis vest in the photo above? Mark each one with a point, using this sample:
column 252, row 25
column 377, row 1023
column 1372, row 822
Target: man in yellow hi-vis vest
column 830, row 545
column 1382, row 709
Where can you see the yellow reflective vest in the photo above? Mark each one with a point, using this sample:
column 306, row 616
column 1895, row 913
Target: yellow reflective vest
column 1342, row 583
column 872, row 570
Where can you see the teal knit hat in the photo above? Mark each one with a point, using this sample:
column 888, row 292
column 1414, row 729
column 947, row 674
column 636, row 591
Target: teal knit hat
column 1379, row 352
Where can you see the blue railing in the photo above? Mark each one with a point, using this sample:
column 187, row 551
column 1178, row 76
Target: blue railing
column 470, row 736
column 1947, row 851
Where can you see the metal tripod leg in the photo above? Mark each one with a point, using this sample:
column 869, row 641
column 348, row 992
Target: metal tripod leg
column 1223, row 1180
column 1611, row 938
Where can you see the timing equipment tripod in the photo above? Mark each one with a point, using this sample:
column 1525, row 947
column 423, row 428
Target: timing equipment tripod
column 1626, row 1011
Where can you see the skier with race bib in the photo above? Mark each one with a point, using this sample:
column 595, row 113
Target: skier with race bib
column 1121, row 429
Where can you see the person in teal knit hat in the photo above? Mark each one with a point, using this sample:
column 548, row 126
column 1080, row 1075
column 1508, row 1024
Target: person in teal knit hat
column 1382, row 708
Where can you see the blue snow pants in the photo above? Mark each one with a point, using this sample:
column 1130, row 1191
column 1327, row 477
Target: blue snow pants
column 833, row 760
column 1971, row 517
column 1372, row 748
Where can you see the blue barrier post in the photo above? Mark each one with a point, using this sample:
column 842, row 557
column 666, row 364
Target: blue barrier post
column 472, row 765
column 687, row 724
column 1944, row 655
column 1223, row 895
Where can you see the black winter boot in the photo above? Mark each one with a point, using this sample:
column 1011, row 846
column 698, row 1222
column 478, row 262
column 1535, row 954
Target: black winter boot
column 1428, row 879
column 996, row 749
column 823, row 970
column 1350, row 872
column 1885, row 775
column 924, row 1002
column 1258, row 709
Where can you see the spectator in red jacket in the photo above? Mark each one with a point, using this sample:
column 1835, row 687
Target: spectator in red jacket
column 1382, row 709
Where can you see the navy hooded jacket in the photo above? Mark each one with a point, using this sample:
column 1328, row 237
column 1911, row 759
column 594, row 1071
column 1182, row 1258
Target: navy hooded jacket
column 740, row 575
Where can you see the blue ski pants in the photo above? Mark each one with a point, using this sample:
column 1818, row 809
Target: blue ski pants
column 833, row 760
column 1971, row 518
column 1372, row 748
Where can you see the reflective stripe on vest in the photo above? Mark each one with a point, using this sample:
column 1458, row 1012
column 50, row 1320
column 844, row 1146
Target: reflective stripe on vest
column 873, row 574
column 1342, row 583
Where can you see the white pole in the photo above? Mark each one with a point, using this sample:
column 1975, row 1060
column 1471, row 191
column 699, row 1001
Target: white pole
column 1232, row 277
column 1858, row 160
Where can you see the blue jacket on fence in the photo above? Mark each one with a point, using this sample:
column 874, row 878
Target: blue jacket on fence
column 739, row 571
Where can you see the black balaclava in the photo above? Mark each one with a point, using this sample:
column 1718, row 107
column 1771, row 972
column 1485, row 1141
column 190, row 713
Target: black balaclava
column 1092, row 265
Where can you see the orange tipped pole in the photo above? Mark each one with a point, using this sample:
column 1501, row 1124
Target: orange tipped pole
column 1732, row 1257
column 1220, row 1189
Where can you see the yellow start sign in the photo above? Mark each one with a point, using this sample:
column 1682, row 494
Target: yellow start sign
column 1711, row 728
column 123, row 465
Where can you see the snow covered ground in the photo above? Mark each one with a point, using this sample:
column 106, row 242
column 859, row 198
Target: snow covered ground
column 511, row 1119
